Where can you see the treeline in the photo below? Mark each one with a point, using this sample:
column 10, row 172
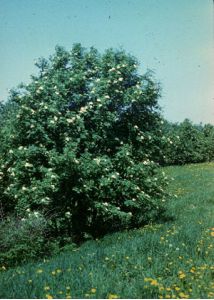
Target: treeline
column 185, row 143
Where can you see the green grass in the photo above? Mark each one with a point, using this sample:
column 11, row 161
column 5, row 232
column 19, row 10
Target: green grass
column 170, row 260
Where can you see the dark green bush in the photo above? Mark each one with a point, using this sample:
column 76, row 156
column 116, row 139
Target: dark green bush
column 23, row 239
column 80, row 143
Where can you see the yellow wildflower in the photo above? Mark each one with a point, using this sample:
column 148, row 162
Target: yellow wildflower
column 93, row 290
column 39, row 271
column 154, row 282
column 181, row 275
column 182, row 295
column 113, row 296
column 46, row 288
column 49, row 296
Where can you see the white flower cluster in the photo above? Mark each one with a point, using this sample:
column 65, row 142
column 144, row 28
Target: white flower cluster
column 28, row 165
column 71, row 120
column 68, row 214
column 115, row 175
column 97, row 160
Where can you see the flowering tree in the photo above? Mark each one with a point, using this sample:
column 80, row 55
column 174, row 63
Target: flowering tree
column 81, row 142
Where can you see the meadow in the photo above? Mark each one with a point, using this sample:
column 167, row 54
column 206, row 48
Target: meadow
column 167, row 260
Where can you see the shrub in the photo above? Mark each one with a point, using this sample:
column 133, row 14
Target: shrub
column 187, row 143
column 22, row 240
column 82, row 144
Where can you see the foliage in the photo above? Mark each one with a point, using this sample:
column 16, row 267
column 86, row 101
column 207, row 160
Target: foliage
column 170, row 260
column 22, row 240
column 187, row 143
column 80, row 143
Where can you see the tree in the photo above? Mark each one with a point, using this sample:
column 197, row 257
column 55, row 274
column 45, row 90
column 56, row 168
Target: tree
column 82, row 145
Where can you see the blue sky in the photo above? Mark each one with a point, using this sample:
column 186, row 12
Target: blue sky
column 173, row 38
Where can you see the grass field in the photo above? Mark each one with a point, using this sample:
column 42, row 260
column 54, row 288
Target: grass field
column 170, row 260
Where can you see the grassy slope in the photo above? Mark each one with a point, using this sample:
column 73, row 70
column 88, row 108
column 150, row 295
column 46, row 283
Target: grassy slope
column 159, row 261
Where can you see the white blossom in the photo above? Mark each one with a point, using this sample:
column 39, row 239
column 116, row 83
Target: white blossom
column 28, row 165
column 97, row 160
column 83, row 110
column 67, row 214
column 71, row 120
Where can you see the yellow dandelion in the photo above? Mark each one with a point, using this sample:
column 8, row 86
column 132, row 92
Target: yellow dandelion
column 113, row 296
column 177, row 288
column 212, row 233
column 46, row 288
column 93, row 290
column 60, row 292
column 211, row 295
column 154, row 282
column 182, row 295
column 68, row 296
column 53, row 273
column 39, row 271
column 68, row 288
column 181, row 275
column 48, row 296
column 30, row 281
column 58, row 271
